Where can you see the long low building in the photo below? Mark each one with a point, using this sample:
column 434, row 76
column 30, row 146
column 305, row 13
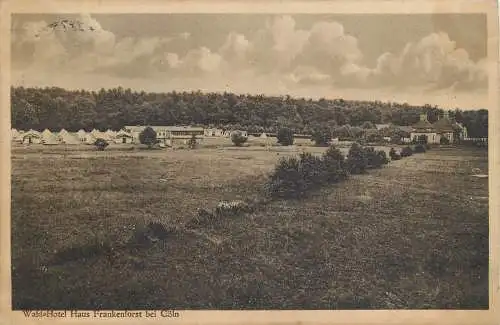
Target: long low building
column 169, row 135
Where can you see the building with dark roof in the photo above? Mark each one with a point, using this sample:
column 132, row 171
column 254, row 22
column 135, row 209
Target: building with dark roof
column 443, row 127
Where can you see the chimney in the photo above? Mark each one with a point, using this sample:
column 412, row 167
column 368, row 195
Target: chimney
column 446, row 115
column 423, row 117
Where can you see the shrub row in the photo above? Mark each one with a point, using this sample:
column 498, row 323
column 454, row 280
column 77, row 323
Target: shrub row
column 295, row 176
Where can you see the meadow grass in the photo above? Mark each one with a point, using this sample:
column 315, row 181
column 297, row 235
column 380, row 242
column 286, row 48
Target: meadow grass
column 413, row 234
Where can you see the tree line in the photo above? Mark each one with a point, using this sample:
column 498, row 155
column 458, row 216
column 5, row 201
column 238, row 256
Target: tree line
column 55, row 108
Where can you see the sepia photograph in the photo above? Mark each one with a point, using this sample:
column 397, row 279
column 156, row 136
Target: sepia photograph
column 249, row 161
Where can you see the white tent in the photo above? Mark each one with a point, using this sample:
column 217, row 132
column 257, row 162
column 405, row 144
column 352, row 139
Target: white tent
column 90, row 138
column 46, row 133
column 263, row 135
column 48, row 137
column 96, row 133
column 63, row 132
column 14, row 134
column 50, row 140
column 81, row 135
column 68, row 138
column 17, row 136
column 109, row 135
column 31, row 136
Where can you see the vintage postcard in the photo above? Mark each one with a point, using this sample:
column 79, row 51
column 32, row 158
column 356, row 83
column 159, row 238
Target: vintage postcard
column 326, row 161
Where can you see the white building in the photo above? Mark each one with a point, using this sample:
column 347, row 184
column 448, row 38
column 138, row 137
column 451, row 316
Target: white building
column 169, row 135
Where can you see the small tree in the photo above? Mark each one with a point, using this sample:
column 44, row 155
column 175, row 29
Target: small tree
column 192, row 142
column 356, row 159
column 312, row 169
column 382, row 158
column 101, row 144
column 285, row 136
column 286, row 180
column 321, row 136
column 238, row 138
column 371, row 157
column 148, row 137
column 335, row 165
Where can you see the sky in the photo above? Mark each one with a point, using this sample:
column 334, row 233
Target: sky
column 437, row 59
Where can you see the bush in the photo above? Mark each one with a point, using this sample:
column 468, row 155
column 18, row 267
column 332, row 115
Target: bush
column 101, row 144
column 444, row 140
column 286, row 180
column 356, row 159
column 374, row 158
column 335, row 165
column 382, row 157
column 285, row 136
column 406, row 152
column 294, row 176
column 311, row 169
column 148, row 137
column 419, row 148
column 238, row 138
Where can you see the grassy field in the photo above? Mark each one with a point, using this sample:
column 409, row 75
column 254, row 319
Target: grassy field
column 413, row 234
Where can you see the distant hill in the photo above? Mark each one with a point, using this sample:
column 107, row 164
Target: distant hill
column 56, row 108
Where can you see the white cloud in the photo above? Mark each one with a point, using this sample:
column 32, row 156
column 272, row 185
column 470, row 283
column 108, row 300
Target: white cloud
column 307, row 75
column 280, row 57
column 434, row 61
column 236, row 48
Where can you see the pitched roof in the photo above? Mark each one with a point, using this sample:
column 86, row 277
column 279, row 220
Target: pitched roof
column 68, row 138
column 404, row 128
column 122, row 133
column 49, row 139
column 443, row 125
column 31, row 133
column 423, row 125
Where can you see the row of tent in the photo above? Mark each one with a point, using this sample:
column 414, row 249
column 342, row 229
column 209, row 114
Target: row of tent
column 65, row 137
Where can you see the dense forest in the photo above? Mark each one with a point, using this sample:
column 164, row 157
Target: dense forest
column 55, row 108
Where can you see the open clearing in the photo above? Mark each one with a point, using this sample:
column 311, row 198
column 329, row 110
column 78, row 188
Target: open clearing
column 413, row 234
